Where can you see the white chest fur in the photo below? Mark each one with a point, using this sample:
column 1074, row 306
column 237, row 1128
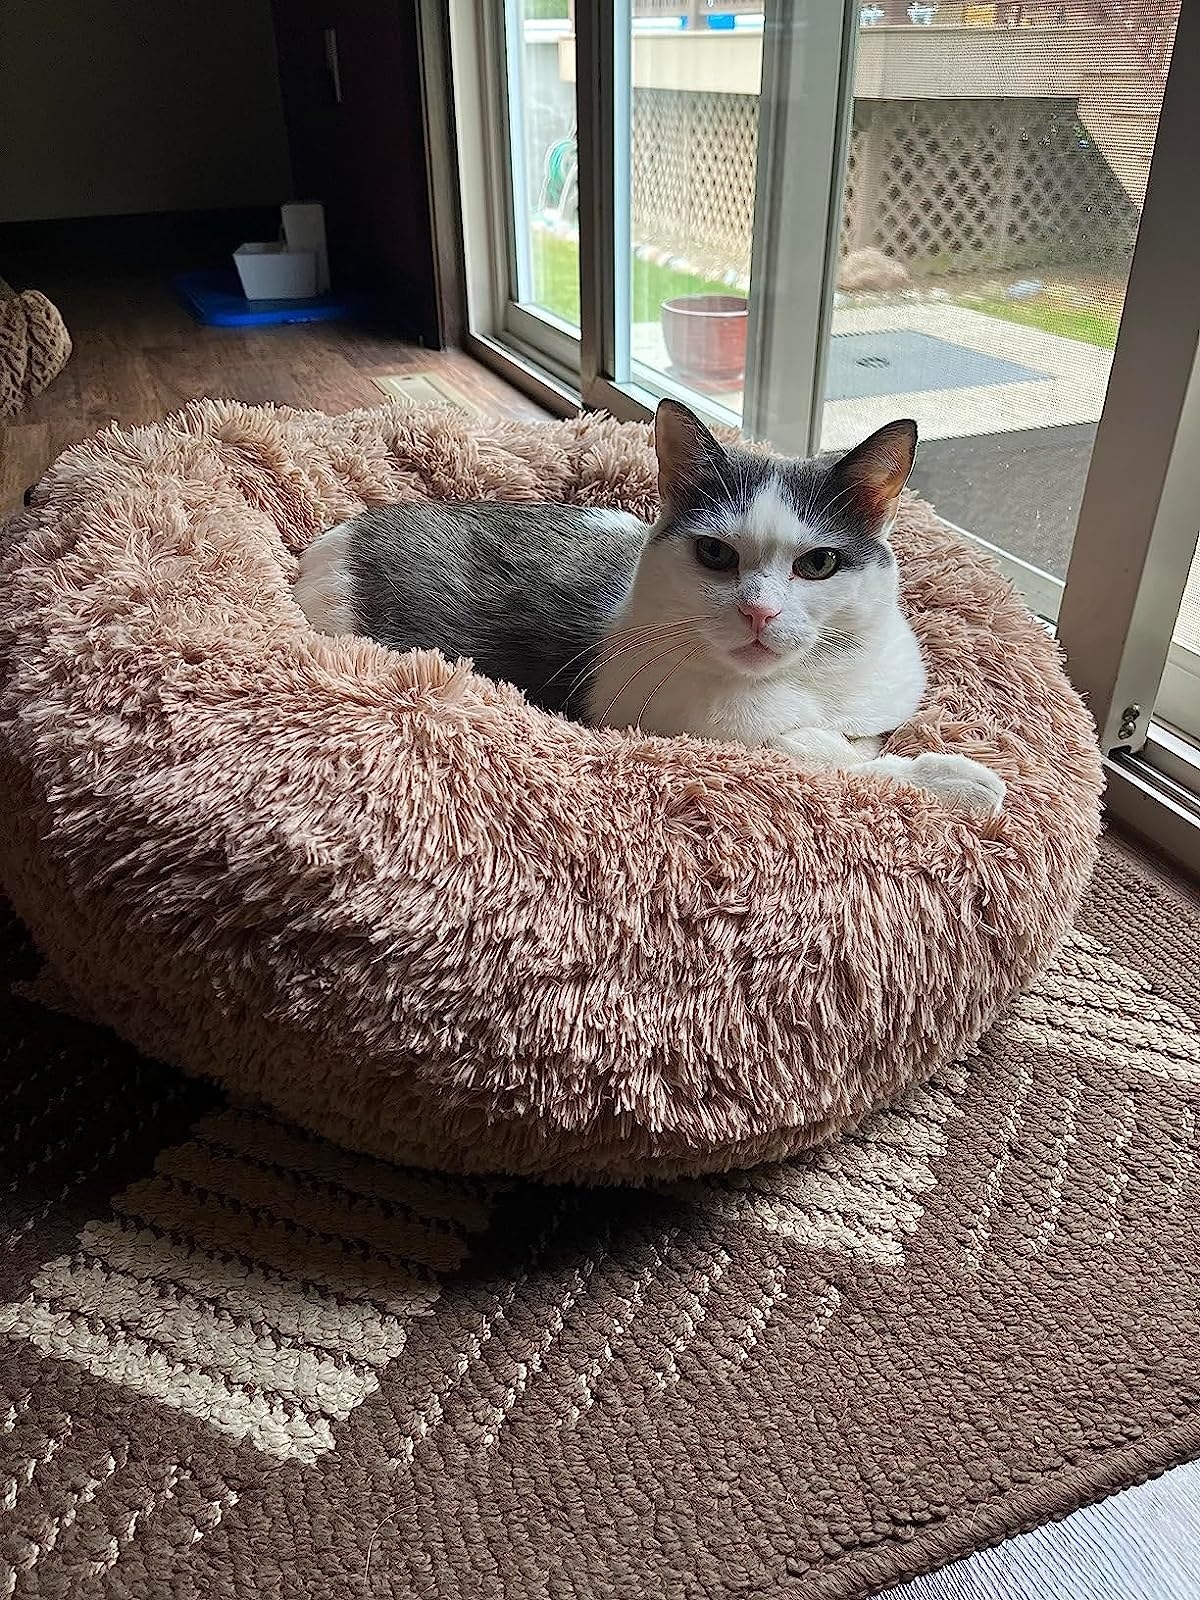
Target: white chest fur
column 859, row 693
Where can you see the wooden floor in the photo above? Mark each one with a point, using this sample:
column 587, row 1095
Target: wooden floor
column 137, row 357
column 1143, row 1544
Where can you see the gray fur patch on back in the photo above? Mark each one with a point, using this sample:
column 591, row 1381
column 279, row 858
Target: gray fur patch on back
column 526, row 591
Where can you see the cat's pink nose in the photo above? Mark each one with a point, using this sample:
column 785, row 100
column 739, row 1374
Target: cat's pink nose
column 758, row 615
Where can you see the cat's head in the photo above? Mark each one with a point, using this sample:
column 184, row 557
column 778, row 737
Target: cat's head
column 771, row 560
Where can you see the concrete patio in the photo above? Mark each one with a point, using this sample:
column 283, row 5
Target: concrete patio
column 1069, row 388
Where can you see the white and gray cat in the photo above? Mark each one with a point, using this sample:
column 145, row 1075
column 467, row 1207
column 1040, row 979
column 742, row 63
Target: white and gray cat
column 761, row 608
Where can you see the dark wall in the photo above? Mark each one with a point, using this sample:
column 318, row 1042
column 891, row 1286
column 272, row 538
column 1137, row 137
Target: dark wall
column 138, row 107
column 364, row 156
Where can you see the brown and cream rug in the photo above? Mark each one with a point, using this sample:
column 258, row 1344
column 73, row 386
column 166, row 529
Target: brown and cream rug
column 237, row 1361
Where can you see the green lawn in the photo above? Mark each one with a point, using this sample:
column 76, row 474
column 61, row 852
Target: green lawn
column 556, row 281
column 1089, row 326
column 556, row 287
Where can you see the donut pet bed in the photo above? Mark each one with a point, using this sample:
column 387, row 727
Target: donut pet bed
column 408, row 910
column 34, row 347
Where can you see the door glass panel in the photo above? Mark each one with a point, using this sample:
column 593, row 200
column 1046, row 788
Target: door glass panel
column 686, row 148
column 542, row 159
column 996, row 170
column 1179, row 696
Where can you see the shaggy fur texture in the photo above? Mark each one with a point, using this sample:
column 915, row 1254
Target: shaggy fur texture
column 406, row 909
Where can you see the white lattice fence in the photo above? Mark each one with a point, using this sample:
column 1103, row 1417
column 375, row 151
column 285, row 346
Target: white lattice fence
column 693, row 176
column 951, row 185
column 852, row 194
column 945, row 185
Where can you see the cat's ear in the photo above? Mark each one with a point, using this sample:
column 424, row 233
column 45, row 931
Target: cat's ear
column 870, row 477
column 690, row 461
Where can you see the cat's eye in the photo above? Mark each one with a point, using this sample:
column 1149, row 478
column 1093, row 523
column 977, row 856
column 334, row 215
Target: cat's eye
column 820, row 563
column 716, row 555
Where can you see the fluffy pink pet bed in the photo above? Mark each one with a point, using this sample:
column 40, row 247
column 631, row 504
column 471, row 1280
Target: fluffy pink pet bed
column 391, row 899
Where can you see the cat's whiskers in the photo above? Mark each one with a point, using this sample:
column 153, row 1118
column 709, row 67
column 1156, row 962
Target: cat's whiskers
column 666, row 679
column 649, row 630
column 649, row 662
column 613, row 647
column 649, row 636
column 825, row 653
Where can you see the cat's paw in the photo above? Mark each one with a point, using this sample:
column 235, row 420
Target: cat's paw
column 964, row 785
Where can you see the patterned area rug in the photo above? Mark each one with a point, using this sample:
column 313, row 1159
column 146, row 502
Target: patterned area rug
column 238, row 1361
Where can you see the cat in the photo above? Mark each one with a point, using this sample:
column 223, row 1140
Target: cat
column 761, row 608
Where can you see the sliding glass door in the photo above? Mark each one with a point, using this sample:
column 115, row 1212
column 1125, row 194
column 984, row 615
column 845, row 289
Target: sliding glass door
column 806, row 217
column 1178, row 701
column 514, row 109
column 993, row 187
column 685, row 167
column 542, row 164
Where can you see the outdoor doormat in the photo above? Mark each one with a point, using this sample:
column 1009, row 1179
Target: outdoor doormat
column 424, row 389
column 903, row 361
column 238, row 1361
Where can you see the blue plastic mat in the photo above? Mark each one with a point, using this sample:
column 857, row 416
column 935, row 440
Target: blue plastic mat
column 903, row 362
column 216, row 299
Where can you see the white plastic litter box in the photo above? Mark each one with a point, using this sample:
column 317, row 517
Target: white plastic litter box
column 273, row 272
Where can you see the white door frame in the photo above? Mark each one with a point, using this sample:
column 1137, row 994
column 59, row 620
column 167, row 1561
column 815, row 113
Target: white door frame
column 1140, row 510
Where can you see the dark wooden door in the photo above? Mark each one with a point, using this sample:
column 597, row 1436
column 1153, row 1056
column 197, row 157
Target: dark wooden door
column 352, row 89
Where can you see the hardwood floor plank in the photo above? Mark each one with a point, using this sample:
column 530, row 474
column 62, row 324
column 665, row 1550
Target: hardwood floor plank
column 1143, row 1544
column 139, row 356
column 25, row 453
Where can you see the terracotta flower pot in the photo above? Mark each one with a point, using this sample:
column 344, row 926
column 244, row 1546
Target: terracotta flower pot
column 706, row 336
